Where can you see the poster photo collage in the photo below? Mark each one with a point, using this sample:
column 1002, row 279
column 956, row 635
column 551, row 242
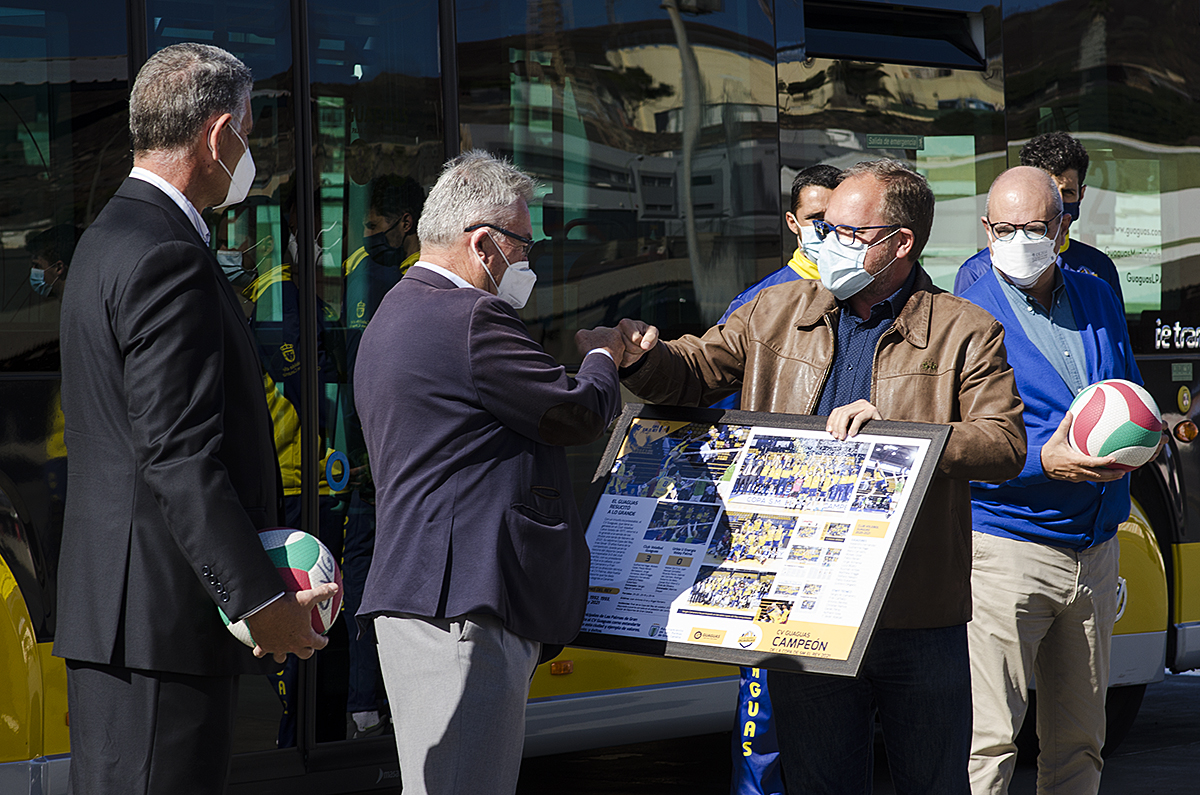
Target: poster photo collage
column 745, row 537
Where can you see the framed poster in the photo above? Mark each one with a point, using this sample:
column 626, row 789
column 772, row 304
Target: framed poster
column 750, row 538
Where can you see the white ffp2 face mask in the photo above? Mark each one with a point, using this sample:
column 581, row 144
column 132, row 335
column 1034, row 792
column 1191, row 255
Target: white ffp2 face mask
column 516, row 285
column 810, row 242
column 242, row 177
column 1023, row 260
column 841, row 266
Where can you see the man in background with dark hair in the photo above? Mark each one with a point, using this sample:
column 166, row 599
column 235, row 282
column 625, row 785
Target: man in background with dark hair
column 390, row 246
column 50, row 254
column 755, row 746
column 1064, row 159
column 811, row 190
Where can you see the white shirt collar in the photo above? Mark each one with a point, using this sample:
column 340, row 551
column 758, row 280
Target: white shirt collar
column 438, row 269
column 176, row 196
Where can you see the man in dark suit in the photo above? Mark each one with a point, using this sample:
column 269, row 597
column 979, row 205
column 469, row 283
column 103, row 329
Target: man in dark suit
column 171, row 463
column 480, row 555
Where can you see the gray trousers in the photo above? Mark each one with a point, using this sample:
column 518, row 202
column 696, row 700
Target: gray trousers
column 457, row 688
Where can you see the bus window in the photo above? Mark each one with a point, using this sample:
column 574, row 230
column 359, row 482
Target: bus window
column 948, row 123
column 652, row 130
column 64, row 127
column 939, row 107
column 64, row 151
column 376, row 94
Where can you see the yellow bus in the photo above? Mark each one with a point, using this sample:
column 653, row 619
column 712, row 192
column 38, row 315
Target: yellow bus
column 665, row 137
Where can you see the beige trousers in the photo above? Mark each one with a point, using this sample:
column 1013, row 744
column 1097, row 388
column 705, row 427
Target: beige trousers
column 1044, row 612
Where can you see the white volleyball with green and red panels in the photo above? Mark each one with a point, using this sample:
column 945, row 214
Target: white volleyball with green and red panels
column 303, row 562
column 1116, row 418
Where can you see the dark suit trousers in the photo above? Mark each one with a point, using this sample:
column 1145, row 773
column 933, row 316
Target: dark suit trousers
column 148, row 732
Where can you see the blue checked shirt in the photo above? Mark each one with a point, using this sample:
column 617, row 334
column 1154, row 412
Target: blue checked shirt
column 854, row 350
column 1051, row 329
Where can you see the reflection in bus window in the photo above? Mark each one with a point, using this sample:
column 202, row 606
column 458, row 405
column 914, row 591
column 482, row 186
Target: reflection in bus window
column 260, row 35
column 390, row 247
column 63, row 152
column 377, row 102
column 64, row 127
column 948, row 123
column 652, row 131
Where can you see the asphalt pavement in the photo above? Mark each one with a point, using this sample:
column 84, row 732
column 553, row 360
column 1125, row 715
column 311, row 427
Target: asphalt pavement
column 1160, row 756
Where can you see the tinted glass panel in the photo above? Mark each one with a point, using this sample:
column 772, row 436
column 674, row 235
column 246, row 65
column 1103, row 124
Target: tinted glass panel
column 1123, row 81
column 1122, row 78
column 376, row 97
column 948, row 123
column 652, row 130
column 64, row 129
column 64, row 151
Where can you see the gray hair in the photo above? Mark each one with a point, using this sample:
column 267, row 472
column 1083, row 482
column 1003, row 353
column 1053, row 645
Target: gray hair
column 474, row 188
column 179, row 89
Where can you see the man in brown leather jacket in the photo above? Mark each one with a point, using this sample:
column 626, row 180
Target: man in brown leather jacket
column 873, row 339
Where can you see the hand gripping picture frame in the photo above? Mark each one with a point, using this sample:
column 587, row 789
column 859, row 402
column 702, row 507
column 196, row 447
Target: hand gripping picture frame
column 750, row 538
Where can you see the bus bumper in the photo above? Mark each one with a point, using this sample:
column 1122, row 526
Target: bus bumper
column 45, row 775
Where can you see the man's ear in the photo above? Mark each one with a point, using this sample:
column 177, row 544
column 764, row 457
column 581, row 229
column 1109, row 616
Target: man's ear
column 475, row 242
column 792, row 223
column 213, row 139
column 907, row 241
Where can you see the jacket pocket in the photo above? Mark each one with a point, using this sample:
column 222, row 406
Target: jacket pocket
column 539, row 537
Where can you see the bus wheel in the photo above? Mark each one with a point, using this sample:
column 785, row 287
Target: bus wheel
column 1121, row 707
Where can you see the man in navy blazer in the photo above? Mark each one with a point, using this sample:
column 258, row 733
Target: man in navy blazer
column 171, row 466
column 480, row 555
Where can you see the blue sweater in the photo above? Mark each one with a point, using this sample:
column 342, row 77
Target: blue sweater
column 1033, row 507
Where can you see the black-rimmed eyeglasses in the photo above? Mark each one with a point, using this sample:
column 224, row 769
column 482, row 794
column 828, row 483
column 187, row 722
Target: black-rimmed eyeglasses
column 1034, row 230
column 526, row 241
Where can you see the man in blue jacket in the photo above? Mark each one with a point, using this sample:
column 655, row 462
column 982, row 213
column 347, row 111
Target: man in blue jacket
column 1044, row 562
column 1064, row 159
